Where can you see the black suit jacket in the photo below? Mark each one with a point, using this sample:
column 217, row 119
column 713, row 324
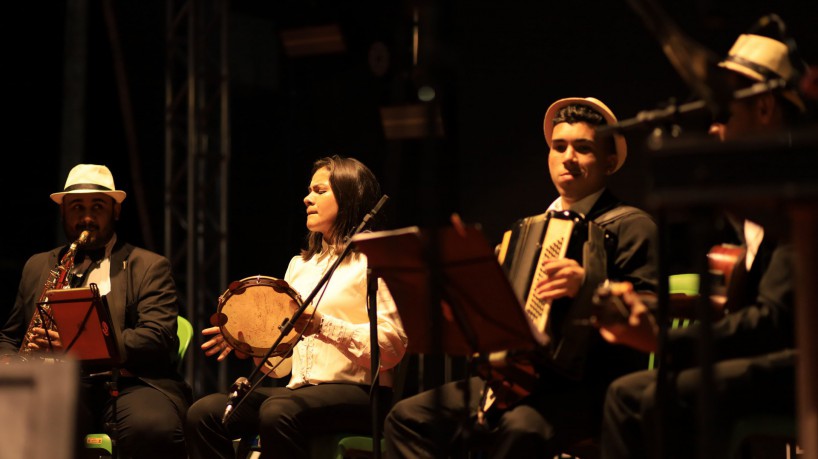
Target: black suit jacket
column 143, row 304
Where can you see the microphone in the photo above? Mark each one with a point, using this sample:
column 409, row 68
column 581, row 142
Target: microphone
column 374, row 210
column 238, row 390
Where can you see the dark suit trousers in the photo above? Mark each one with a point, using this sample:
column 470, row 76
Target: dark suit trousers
column 762, row 384
column 284, row 418
column 434, row 424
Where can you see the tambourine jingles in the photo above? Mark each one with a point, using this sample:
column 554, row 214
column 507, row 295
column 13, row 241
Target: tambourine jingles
column 251, row 311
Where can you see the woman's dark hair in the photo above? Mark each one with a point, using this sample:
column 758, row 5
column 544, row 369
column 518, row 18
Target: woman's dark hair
column 356, row 190
column 581, row 113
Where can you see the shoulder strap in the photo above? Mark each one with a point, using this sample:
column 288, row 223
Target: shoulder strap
column 616, row 213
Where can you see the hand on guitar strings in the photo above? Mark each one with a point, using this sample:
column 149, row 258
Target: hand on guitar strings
column 622, row 317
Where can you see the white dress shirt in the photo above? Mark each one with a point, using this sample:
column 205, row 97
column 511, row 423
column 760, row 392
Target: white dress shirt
column 340, row 351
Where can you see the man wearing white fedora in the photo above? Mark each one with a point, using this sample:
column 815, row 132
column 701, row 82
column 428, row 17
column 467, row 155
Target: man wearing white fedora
column 564, row 404
column 146, row 414
column 753, row 345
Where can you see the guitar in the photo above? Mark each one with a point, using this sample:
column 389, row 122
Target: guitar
column 726, row 263
column 726, row 267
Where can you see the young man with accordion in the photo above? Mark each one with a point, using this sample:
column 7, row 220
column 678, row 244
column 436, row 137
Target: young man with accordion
column 562, row 403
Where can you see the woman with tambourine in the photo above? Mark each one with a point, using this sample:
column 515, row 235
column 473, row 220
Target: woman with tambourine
column 330, row 379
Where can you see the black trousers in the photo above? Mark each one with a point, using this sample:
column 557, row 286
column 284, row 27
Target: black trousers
column 757, row 385
column 284, row 419
column 148, row 424
column 434, row 423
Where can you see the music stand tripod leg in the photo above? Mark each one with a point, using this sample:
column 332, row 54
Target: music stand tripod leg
column 372, row 307
column 111, row 426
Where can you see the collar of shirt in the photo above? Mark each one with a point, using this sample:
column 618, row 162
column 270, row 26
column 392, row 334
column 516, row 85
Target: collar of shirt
column 753, row 235
column 583, row 206
column 99, row 272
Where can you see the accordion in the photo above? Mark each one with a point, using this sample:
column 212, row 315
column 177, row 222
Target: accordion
column 557, row 234
column 510, row 376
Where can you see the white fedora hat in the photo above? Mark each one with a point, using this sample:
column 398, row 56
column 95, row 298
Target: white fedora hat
column 762, row 58
column 620, row 145
column 89, row 178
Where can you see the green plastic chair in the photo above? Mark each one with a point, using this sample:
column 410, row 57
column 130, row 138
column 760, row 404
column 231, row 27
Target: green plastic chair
column 184, row 330
column 685, row 284
column 99, row 445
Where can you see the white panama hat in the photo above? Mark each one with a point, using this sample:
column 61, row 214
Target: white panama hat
column 762, row 58
column 89, row 178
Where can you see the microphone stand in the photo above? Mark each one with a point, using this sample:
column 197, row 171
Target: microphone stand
column 242, row 387
column 647, row 118
column 375, row 365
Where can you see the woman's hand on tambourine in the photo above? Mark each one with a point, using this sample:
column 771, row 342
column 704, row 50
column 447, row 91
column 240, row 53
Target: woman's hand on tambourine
column 635, row 326
column 218, row 345
column 40, row 341
column 309, row 323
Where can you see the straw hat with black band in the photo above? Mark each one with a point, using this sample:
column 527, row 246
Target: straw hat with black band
column 89, row 178
column 761, row 58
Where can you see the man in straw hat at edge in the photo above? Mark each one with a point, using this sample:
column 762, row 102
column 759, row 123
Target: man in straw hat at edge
column 143, row 411
column 752, row 346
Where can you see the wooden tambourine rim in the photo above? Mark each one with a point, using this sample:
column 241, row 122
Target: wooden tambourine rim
column 252, row 348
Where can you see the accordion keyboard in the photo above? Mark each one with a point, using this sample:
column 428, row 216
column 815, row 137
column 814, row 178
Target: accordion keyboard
column 555, row 245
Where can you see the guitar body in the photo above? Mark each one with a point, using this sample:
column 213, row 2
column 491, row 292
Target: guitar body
column 725, row 262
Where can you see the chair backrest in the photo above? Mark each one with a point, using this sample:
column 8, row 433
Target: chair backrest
column 687, row 284
column 184, row 330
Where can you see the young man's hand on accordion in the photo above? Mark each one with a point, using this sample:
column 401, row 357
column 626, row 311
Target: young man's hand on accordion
column 622, row 317
column 564, row 277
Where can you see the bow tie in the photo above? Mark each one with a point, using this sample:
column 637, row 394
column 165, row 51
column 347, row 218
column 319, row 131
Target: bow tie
column 94, row 254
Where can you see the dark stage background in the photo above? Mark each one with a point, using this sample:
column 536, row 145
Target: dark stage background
column 496, row 67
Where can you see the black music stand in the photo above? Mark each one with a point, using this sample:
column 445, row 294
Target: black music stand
column 480, row 311
column 89, row 335
column 452, row 295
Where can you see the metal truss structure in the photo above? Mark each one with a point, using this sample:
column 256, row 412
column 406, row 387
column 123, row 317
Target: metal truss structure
column 197, row 157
